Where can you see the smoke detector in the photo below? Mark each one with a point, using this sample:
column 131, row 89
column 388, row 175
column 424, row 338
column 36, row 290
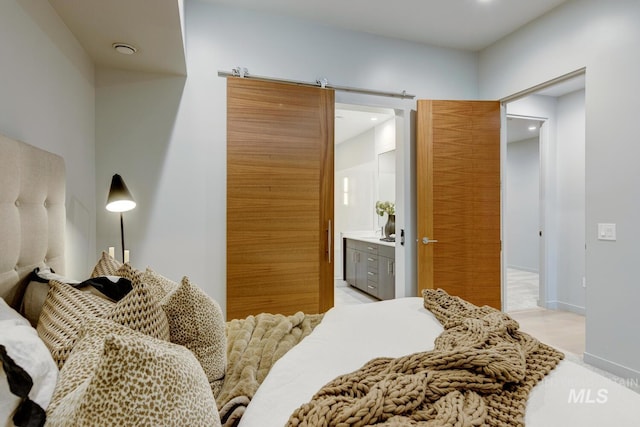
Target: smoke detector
column 124, row 48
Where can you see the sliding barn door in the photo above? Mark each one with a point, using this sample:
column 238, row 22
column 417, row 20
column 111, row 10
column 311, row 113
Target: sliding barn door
column 279, row 198
column 458, row 199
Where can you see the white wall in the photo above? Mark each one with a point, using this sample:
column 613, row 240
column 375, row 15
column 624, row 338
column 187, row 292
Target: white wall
column 136, row 114
column 603, row 37
column 522, row 220
column 571, row 199
column 178, row 166
column 47, row 100
column 356, row 160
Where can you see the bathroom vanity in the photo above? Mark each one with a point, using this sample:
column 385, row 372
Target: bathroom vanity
column 369, row 265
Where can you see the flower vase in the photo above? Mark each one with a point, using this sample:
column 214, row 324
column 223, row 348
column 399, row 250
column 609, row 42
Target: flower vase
column 390, row 226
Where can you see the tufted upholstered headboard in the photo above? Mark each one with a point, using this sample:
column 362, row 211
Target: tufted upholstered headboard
column 32, row 214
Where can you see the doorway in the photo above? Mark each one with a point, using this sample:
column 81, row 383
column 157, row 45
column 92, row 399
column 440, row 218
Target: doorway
column 365, row 172
column 561, row 233
column 522, row 213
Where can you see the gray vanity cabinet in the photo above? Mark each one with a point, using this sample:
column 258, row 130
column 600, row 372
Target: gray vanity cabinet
column 370, row 267
column 386, row 272
column 357, row 264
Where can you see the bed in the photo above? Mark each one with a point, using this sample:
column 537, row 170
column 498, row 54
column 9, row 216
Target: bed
column 185, row 378
column 349, row 336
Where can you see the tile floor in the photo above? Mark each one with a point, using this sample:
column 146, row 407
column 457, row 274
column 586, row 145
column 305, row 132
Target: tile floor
column 348, row 295
column 522, row 290
column 561, row 329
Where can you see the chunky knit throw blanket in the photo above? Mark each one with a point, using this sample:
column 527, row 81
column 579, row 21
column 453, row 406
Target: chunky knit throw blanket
column 253, row 346
column 480, row 373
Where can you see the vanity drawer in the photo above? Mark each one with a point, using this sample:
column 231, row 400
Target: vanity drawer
column 372, row 262
column 370, row 248
column 372, row 288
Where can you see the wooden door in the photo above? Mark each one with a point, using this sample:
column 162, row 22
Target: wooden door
column 458, row 199
column 279, row 198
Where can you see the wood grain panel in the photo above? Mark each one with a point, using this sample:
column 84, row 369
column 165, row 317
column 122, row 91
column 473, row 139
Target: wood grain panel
column 279, row 198
column 458, row 200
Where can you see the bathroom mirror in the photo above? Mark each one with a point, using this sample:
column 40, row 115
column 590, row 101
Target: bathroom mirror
column 386, row 179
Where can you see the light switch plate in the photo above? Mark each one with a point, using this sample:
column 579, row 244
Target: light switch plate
column 606, row 231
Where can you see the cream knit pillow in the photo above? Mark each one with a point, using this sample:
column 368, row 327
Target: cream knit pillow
column 66, row 309
column 106, row 266
column 139, row 310
column 63, row 312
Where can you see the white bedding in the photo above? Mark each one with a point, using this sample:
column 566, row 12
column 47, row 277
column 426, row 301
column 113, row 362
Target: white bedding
column 349, row 336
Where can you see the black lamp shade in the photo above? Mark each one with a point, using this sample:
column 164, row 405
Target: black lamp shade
column 119, row 199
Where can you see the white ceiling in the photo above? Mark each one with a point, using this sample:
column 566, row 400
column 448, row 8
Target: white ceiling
column 155, row 27
column 460, row 24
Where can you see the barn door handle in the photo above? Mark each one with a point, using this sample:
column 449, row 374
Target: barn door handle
column 329, row 242
column 426, row 241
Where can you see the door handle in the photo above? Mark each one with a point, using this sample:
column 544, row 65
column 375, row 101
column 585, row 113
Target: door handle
column 329, row 242
column 426, row 241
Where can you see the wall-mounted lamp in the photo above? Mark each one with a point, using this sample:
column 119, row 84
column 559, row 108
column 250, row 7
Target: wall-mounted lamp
column 120, row 200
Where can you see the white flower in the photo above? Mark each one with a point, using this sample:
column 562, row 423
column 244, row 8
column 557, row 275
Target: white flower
column 385, row 207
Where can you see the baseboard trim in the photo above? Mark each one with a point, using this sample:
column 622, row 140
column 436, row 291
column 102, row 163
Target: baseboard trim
column 558, row 305
column 527, row 269
column 572, row 308
column 626, row 374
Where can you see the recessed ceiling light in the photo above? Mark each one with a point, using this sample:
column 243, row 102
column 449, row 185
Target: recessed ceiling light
column 532, row 128
column 124, row 48
column 374, row 119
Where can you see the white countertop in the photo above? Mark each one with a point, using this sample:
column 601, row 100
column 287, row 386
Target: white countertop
column 368, row 237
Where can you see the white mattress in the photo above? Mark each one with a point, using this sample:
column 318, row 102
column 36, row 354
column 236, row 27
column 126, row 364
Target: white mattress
column 349, row 336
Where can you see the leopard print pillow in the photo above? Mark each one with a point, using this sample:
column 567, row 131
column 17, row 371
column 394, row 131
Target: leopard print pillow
column 196, row 322
column 117, row 376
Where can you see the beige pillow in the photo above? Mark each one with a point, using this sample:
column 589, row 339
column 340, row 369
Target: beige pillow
column 196, row 322
column 117, row 376
column 63, row 312
column 66, row 309
column 106, row 266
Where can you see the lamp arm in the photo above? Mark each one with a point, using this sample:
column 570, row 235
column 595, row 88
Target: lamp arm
column 122, row 234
